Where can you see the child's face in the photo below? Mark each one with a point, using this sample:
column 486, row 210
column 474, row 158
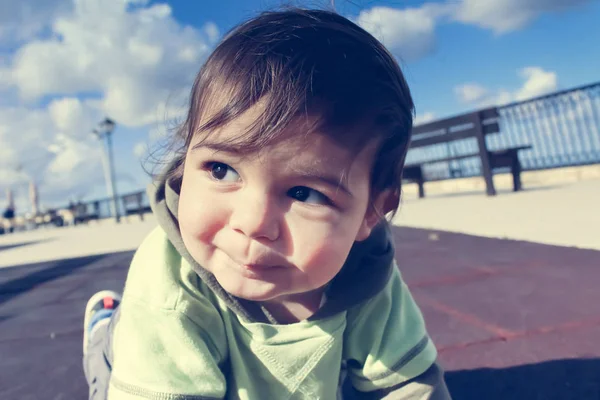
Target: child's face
column 275, row 223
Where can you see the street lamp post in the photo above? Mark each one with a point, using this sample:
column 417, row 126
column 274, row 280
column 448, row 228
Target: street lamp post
column 104, row 131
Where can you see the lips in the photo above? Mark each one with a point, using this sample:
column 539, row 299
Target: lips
column 256, row 269
column 261, row 263
column 257, row 266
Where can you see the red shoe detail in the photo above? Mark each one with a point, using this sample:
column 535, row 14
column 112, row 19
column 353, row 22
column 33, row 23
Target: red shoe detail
column 109, row 303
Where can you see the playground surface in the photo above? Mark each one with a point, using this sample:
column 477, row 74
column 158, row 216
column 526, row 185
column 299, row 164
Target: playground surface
column 513, row 318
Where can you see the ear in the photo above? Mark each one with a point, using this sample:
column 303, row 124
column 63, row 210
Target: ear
column 384, row 203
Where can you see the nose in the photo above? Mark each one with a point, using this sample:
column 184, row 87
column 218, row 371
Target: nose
column 256, row 216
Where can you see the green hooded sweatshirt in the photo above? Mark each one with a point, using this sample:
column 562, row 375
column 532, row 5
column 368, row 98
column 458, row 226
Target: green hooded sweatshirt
column 181, row 336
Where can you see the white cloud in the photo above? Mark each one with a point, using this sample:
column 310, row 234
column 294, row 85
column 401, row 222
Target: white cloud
column 72, row 156
column 212, row 31
column 72, row 116
column 22, row 20
column 131, row 59
column 127, row 59
column 537, row 82
column 409, row 33
column 31, row 149
column 470, row 92
column 23, row 131
column 506, row 15
column 424, row 118
column 140, row 150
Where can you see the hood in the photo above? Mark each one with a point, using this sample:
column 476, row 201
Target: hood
column 364, row 274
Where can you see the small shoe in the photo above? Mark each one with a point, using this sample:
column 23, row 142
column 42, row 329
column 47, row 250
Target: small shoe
column 98, row 311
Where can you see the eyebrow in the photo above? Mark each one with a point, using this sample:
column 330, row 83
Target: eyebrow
column 218, row 147
column 332, row 181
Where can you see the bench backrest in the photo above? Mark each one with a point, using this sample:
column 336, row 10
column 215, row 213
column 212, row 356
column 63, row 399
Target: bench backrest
column 476, row 124
column 455, row 128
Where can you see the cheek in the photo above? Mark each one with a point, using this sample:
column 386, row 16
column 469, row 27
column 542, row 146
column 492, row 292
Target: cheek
column 322, row 250
column 200, row 215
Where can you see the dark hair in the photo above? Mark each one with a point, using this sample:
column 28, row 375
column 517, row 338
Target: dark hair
column 305, row 62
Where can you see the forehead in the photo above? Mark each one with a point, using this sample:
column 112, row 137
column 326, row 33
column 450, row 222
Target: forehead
column 312, row 152
column 298, row 146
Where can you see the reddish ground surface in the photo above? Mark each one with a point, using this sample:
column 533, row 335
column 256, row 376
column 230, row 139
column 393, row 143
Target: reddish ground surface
column 512, row 320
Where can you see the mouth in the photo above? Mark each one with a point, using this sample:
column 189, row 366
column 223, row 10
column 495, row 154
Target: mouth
column 256, row 271
column 257, row 268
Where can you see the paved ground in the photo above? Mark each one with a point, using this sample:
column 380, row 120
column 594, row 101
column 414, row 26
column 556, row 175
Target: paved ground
column 564, row 215
column 50, row 244
column 512, row 319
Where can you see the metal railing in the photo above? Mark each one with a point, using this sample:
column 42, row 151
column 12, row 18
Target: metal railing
column 102, row 208
column 563, row 129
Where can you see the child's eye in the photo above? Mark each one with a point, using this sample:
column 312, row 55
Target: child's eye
column 223, row 172
column 307, row 195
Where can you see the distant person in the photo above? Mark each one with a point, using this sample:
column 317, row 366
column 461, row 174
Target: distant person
column 272, row 274
column 9, row 215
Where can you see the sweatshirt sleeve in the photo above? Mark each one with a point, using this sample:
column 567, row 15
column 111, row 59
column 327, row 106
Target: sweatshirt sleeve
column 388, row 351
column 169, row 341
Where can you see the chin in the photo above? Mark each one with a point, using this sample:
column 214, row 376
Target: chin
column 259, row 291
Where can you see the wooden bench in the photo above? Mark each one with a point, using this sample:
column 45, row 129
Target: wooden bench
column 133, row 204
column 82, row 214
column 473, row 125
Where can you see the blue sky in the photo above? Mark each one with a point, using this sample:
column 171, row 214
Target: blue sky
column 561, row 42
column 65, row 65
